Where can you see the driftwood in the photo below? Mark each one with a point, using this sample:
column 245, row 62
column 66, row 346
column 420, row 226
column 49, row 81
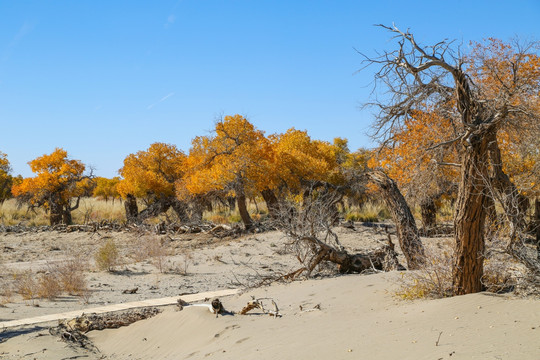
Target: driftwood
column 73, row 331
column 259, row 304
column 383, row 259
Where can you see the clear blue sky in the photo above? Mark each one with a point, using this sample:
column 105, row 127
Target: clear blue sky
column 104, row 79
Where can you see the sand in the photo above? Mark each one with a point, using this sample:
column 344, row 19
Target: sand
column 343, row 317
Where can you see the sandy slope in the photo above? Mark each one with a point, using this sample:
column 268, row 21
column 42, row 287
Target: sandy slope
column 359, row 318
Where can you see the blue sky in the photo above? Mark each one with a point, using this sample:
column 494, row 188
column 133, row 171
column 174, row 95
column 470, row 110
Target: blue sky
column 104, row 79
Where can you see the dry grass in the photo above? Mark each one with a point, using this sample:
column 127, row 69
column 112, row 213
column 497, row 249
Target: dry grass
column 95, row 210
column 434, row 280
column 368, row 212
column 153, row 248
column 90, row 210
column 13, row 214
column 502, row 273
column 66, row 276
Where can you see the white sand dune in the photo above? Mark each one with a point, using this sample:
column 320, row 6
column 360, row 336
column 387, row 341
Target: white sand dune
column 359, row 319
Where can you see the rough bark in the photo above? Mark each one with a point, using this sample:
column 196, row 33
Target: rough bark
column 470, row 218
column 56, row 212
column 67, row 219
column 242, row 208
column 537, row 223
column 132, row 210
column 271, row 202
column 407, row 231
column 428, row 210
column 180, row 208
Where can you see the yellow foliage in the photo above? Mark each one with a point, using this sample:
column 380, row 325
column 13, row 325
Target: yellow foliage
column 106, row 188
column 152, row 172
column 237, row 157
column 57, row 180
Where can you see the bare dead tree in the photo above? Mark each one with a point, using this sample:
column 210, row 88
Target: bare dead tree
column 309, row 226
column 417, row 77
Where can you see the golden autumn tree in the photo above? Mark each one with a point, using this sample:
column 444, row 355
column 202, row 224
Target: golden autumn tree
column 151, row 175
column 106, row 188
column 235, row 159
column 58, row 185
column 300, row 160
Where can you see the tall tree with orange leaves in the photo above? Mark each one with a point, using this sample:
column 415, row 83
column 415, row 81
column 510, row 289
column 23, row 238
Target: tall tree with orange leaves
column 151, row 175
column 235, row 159
column 58, row 185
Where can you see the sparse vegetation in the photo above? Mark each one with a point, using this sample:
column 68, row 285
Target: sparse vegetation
column 107, row 256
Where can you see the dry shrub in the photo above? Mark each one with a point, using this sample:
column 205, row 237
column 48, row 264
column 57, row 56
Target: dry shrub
column 107, row 256
column 70, row 275
column 153, row 248
column 157, row 252
column 26, row 284
column 48, row 286
column 502, row 273
column 433, row 280
column 181, row 267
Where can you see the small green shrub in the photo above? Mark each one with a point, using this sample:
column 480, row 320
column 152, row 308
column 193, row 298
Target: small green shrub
column 107, row 256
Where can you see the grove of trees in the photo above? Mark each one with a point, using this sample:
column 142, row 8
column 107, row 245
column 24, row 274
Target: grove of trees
column 454, row 126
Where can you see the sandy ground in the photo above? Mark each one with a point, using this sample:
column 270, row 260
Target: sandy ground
column 357, row 315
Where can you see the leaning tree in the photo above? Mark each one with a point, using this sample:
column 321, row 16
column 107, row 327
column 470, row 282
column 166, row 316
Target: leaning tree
column 421, row 78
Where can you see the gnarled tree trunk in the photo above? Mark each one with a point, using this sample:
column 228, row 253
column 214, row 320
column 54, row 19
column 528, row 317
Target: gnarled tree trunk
column 56, row 212
column 271, row 202
column 242, row 208
column 407, row 231
column 537, row 223
column 428, row 210
column 132, row 210
column 470, row 218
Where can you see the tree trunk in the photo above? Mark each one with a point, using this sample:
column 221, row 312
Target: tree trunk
column 271, row 202
column 66, row 216
column 56, row 212
column 232, row 203
column 384, row 258
column 537, row 223
column 428, row 210
column 158, row 206
column 132, row 210
column 470, row 217
column 180, row 208
column 242, row 208
column 407, row 231
column 491, row 213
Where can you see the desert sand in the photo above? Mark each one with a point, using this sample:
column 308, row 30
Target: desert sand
column 334, row 317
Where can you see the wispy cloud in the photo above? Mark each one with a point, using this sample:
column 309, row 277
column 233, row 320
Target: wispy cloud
column 24, row 30
column 170, row 20
column 160, row 100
